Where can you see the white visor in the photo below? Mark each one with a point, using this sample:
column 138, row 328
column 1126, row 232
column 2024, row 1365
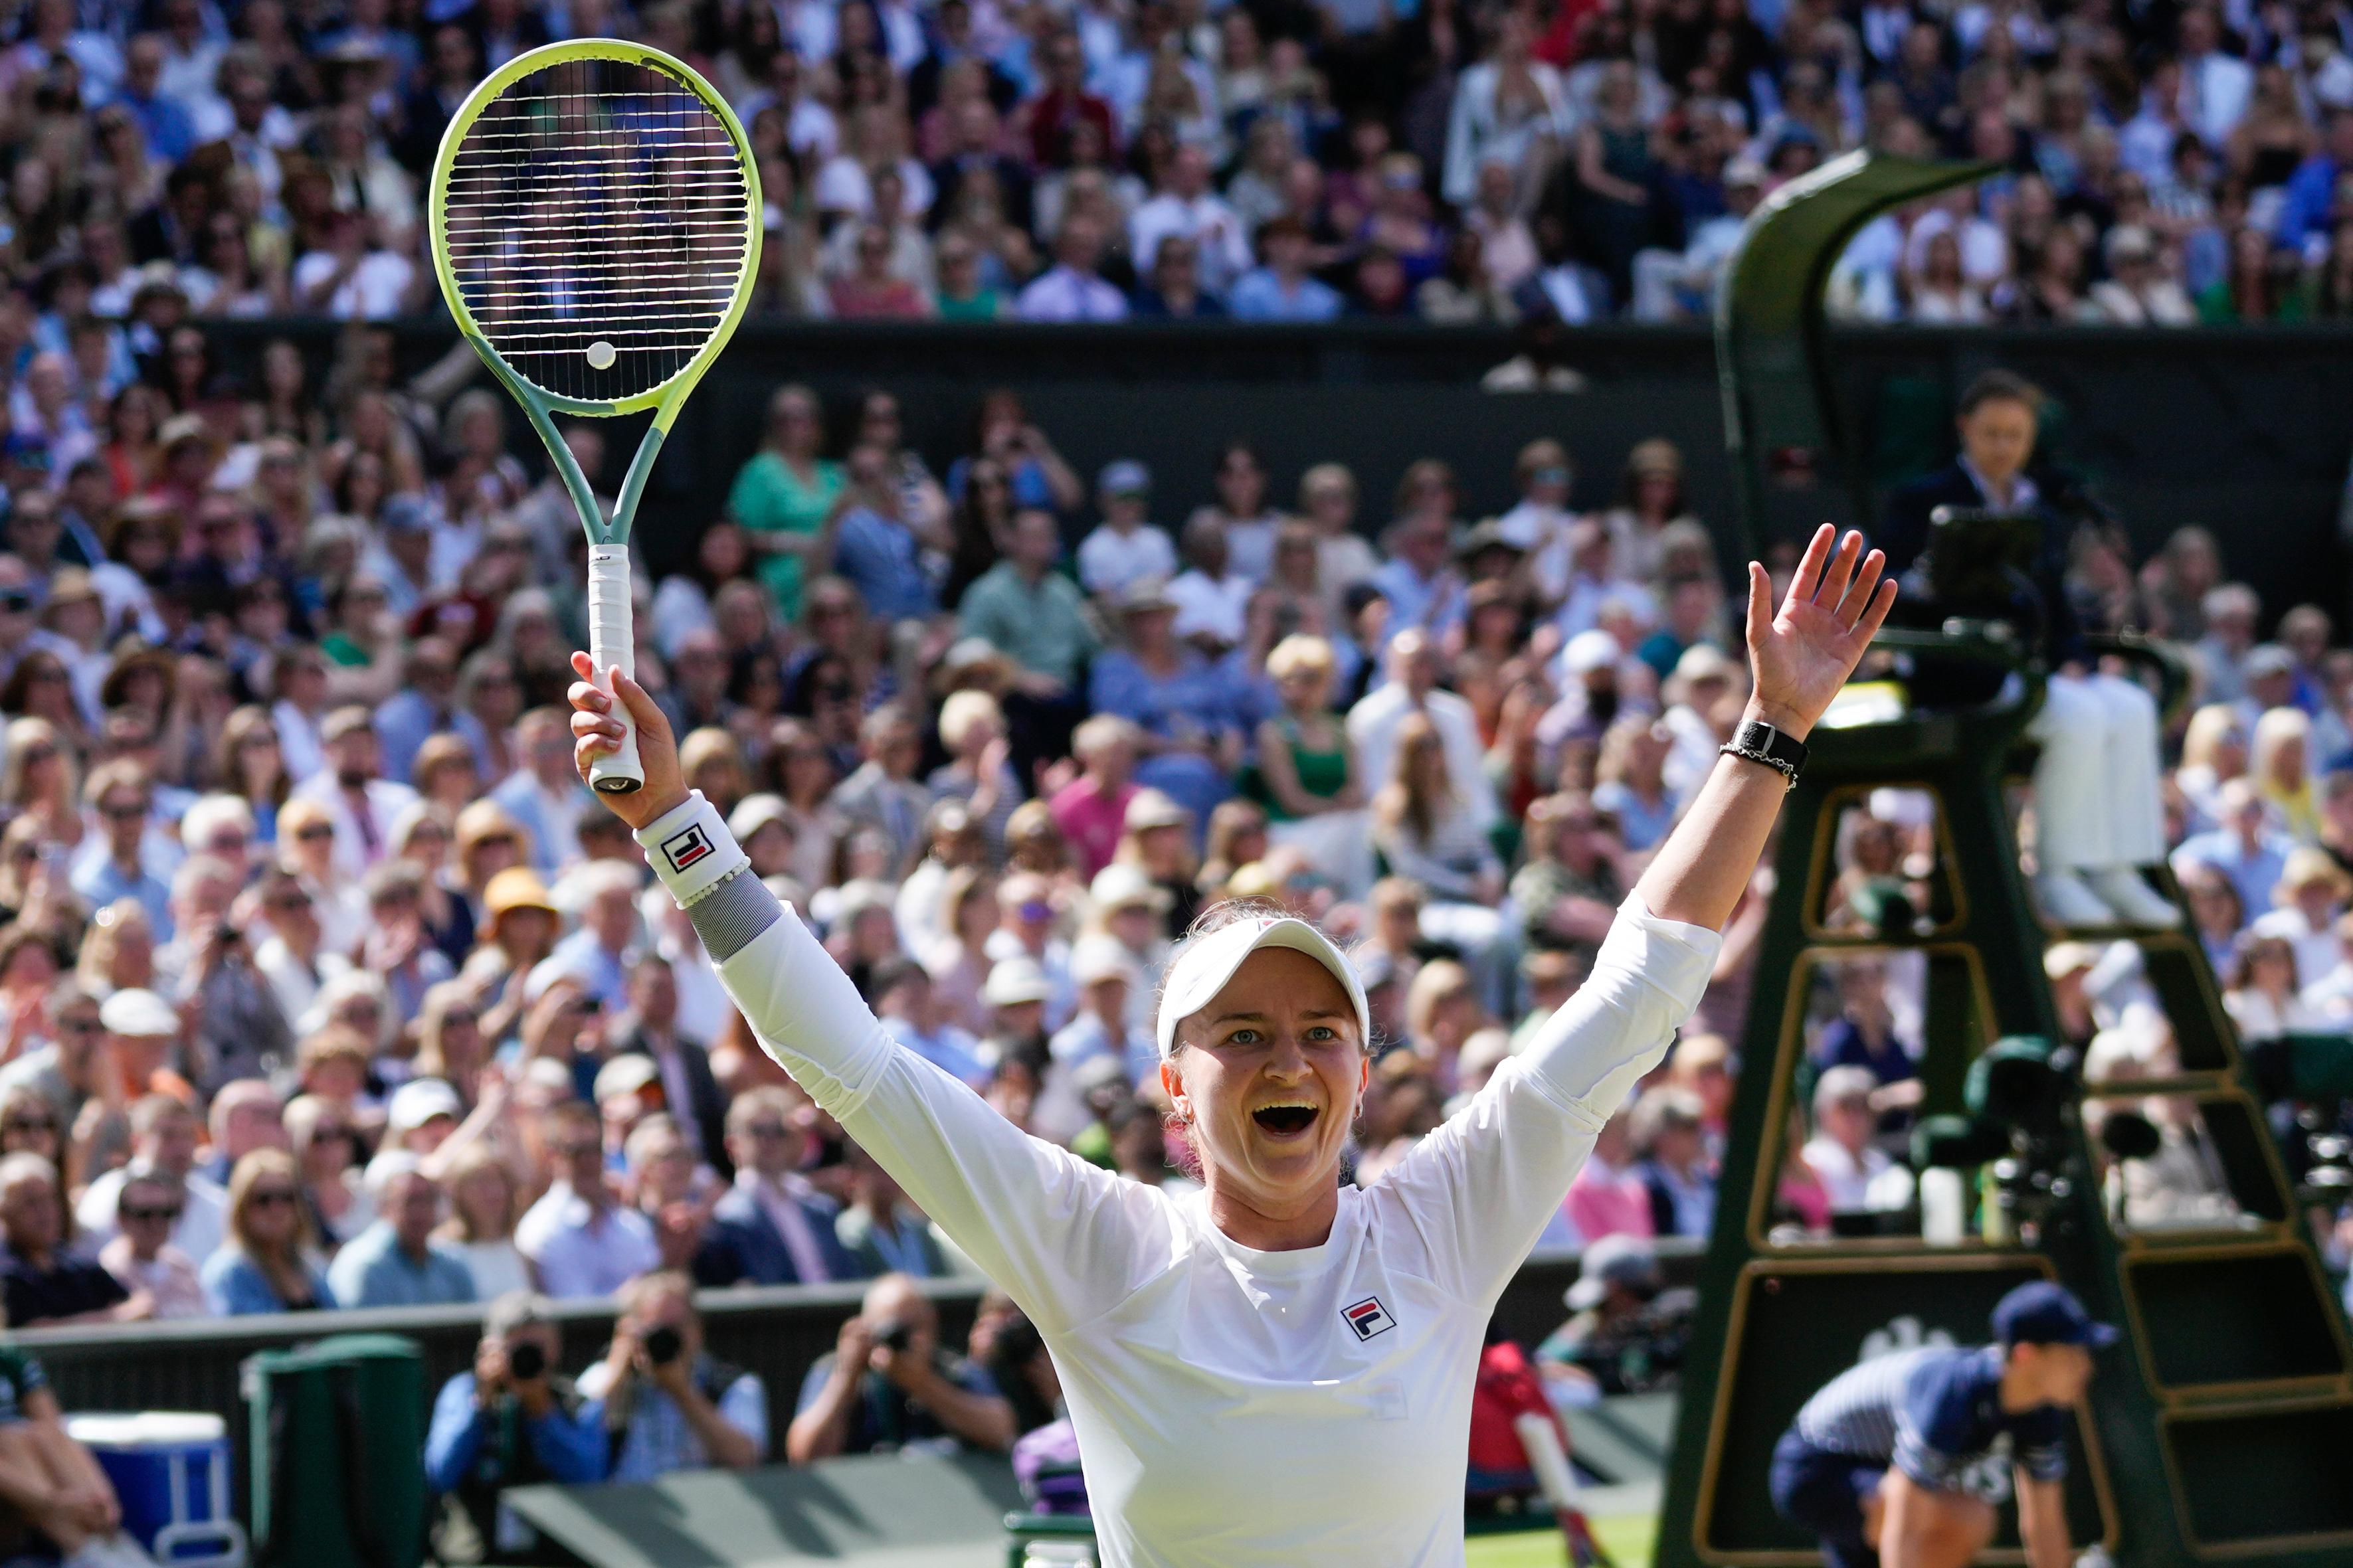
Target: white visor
column 1204, row 964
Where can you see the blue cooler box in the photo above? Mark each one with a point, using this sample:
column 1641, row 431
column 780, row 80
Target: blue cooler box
column 170, row 1471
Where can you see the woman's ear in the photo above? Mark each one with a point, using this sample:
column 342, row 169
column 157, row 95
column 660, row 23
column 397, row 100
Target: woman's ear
column 1172, row 1084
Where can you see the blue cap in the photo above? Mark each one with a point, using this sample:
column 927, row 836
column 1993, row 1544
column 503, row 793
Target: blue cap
column 2043, row 1313
column 1126, row 476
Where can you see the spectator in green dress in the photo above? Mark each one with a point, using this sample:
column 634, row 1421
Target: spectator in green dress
column 785, row 497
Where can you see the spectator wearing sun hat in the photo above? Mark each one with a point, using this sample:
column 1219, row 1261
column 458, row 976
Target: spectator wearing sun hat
column 144, row 1031
column 421, row 1116
column 1127, row 910
column 1109, row 981
column 1016, row 993
column 2312, row 893
column 519, row 926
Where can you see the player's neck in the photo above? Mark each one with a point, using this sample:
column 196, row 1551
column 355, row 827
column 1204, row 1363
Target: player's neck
column 1269, row 1227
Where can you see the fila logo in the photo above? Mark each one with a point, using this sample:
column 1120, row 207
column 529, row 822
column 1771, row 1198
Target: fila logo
column 1368, row 1317
column 686, row 847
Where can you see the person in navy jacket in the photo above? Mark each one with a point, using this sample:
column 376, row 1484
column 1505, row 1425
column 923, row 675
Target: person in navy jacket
column 2099, row 798
column 772, row 1227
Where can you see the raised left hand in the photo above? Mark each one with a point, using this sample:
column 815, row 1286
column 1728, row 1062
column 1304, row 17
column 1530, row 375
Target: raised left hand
column 1801, row 655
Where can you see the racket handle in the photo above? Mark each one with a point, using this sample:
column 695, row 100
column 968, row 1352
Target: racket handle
column 612, row 640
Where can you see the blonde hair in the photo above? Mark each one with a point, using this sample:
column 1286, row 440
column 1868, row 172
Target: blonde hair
column 1327, row 475
column 1438, row 982
column 460, row 1227
column 2208, row 728
column 1299, row 651
column 298, row 814
column 1103, row 732
column 99, row 949
column 2275, row 730
column 335, row 1042
column 963, row 712
column 21, row 735
column 707, row 745
column 287, row 1274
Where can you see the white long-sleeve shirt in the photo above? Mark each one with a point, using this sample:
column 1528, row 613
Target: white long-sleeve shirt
column 1234, row 1407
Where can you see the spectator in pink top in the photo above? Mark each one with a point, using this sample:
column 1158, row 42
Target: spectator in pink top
column 1607, row 1199
column 1092, row 809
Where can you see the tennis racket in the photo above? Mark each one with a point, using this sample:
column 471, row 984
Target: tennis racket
column 596, row 220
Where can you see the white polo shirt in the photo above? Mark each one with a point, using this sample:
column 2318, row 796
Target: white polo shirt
column 1237, row 1407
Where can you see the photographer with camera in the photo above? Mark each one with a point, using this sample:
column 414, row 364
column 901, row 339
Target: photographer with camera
column 666, row 1404
column 888, row 1384
column 512, row 1421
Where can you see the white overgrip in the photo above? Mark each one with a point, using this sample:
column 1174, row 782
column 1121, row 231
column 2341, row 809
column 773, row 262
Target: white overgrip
column 612, row 640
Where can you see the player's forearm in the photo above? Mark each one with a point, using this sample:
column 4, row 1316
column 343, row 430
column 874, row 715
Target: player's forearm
column 1698, row 875
column 729, row 1447
column 983, row 1420
column 2042, row 1523
column 820, row 1432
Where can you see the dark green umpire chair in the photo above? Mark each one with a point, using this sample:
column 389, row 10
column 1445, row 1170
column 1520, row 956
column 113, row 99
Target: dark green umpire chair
column 2221, row 1429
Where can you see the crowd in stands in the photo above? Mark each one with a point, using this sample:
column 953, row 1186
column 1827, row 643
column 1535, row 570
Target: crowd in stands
column 324, row 981
column 1281, row 160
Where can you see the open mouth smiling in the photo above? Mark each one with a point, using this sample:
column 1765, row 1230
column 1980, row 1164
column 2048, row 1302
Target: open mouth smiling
column 1287, row 1119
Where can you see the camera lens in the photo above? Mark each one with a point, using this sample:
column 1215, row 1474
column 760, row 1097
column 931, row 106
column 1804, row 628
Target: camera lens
column 662, row 1345
column 526, row 1361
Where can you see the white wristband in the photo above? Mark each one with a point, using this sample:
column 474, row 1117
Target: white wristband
column 691, row 849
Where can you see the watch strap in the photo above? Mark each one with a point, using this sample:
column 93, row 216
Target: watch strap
column 1758, row 741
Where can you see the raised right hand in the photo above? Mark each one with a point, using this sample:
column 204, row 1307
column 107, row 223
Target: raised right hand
column 595, row 733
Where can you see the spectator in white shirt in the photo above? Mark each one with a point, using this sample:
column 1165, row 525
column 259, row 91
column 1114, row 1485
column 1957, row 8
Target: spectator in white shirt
column 1073, row 288
column 2312, row 893
column 582, row 1240
column 1211, row 598
column 2136, row 292
column 1125, row 548
column 1857, row 1175
column 1984, row 252
column 361, row 805
column 164, row 1134
column 2215, row 86
column 1186, row 206
column 1412, row 687
column 352, row 278
column 1509, row 109
column 1538, row 526
column 143, row 1258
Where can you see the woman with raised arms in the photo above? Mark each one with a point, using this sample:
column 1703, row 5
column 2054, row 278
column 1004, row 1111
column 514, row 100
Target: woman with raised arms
column 1276, row 1369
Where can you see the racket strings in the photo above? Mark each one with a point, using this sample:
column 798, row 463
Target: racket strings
column 596, row 217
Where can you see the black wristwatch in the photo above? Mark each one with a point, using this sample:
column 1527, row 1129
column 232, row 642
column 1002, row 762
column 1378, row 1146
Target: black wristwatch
column 1758, row 741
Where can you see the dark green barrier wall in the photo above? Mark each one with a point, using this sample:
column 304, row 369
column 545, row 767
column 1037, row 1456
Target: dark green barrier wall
column 2246, row 432
column 776, row 1333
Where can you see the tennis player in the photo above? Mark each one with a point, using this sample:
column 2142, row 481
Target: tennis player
column 1276, row 1370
